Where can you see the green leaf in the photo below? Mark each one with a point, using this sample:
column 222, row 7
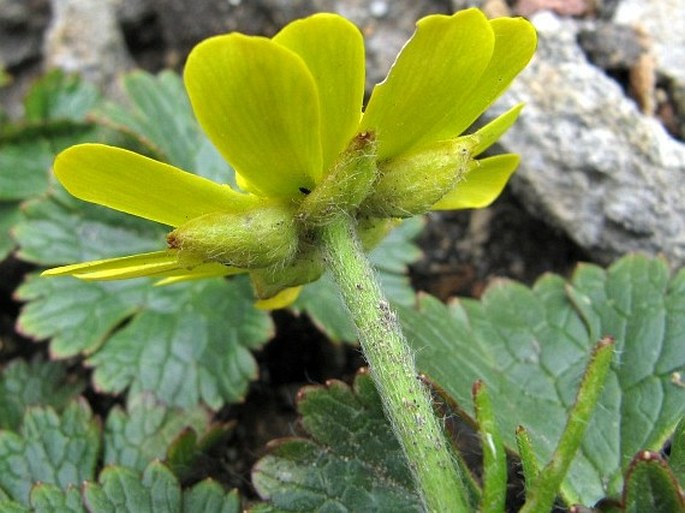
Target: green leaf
column 651, row 486
column 60, row 229
column 208, row 497
column 122, row 490
column 159, row 116
column 351, row 462
column 48, row 498
column 13, row 507
column 24, row 168
column 530, row 346
column 35, row 383
column 9, row 216
column 210, row 364
column 677, row 456
column 49, row 448
column 145, row 432
column 321, row 300
column 194, row 346
column 197, row 334
column 55, row 110
column 60, row 96
column 185, row 343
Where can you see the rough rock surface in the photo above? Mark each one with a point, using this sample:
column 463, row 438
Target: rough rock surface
column 84, row 37
column 386, row 24
column 664, row 23
column 21, row 30
column 592, row 164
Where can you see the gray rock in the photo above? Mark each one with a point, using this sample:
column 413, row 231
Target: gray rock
column 611, row 46
column 592, row 164
column 132, row 11
column 664, row 22
column 22, row 23
column 386, row 24
column 84, row 37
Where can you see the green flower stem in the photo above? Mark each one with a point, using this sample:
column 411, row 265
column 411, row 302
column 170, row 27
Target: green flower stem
column 406, row 400
column 545, row 487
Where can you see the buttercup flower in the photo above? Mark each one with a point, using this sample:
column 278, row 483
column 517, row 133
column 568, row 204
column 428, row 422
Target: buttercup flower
column 286, row 113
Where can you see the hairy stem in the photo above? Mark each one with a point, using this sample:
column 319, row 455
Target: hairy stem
column 406, row 400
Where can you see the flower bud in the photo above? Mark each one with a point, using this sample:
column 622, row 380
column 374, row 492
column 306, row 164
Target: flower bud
column 346, row 184
column 256, row 238
column 412, row 183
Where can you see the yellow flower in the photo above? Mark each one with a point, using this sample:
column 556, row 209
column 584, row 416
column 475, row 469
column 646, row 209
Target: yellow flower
column 286, row 113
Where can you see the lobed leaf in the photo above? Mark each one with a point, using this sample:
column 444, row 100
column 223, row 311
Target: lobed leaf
column 60, row 96
column 147, row 430
column 47, row 498
column 530, row 346
column 350, row 460
column 9, row 216
column 651, row 486
column 55, row 117
column 35, row 383
column 123, row 490
column 49, row 448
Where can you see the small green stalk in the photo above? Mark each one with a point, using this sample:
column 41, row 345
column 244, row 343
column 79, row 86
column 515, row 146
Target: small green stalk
column 406, row 400
column 529, row 463
column 494, row 456
column 545, row 487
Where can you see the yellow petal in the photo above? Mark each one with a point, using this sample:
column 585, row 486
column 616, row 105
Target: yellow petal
column 202, row 271
column 333, row 50
column 515, row 42
column 133, row 266
column 126, row 181
column 482, row 184
column 284, row 298
column 258, row 103
column 422, row 98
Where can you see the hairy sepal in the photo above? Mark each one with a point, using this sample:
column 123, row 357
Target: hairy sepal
column 257, row 238
column 347, row 184
column 412, row 183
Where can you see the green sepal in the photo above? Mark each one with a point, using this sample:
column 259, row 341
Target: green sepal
column 412, row 183
column 256, row 238
column 651, row 486
column 306, row 267
column 490, row 133
column 345, row 186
